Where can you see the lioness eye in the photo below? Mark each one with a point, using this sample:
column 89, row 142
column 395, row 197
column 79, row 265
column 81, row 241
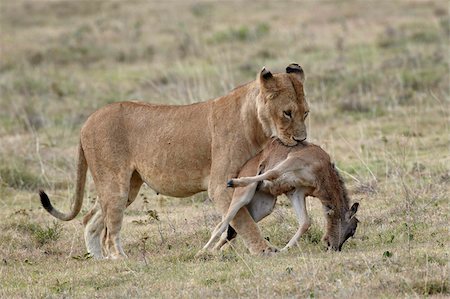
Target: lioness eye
column 287, row 114
column 306, row 114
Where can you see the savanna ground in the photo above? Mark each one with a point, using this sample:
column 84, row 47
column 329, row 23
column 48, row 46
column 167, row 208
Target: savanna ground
column 378, row 88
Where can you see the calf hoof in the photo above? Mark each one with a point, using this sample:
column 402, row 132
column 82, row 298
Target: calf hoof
column 269, row 251
column 204, row 255
column 230, row 184
column 286, row 248
column 120, row 256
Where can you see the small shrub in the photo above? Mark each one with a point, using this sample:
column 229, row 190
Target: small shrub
column 387, row 254
column 48, row 234
column 354, row 105
column 313, row 235
column 18, row 177
column 42, row 235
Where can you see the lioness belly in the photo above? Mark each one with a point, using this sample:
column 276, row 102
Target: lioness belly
column 166, row 178
column 169, row 147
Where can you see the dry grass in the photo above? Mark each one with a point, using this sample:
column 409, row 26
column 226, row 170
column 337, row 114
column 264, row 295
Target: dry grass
column 378, row 87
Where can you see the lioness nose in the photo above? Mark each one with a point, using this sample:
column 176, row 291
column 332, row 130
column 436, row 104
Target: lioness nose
column 299, row 139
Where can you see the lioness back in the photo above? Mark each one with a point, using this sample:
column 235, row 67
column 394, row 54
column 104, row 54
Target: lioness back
column 167, row 145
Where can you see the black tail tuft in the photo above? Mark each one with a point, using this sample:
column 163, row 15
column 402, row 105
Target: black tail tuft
column 229, row 184
column 45, row 201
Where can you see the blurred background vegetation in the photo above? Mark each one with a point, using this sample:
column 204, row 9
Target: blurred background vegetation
column 61, row 60
column 377, row 84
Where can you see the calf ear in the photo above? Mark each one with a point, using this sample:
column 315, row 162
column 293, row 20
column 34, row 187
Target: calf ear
column 351, row 213
column 297, row 70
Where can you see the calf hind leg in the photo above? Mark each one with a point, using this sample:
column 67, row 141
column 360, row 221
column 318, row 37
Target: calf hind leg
column 286, row 166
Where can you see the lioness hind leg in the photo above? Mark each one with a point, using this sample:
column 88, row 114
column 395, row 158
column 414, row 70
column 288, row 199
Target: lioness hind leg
column 116, row 192
column 95, row 234
column 113, row 206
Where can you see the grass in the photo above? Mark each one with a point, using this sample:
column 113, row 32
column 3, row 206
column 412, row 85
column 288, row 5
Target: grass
column 378, row 89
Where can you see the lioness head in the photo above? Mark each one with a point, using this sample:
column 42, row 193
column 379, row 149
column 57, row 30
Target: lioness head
column 282, row 108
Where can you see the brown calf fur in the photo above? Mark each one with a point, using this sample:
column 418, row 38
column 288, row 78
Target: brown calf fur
column 298, row 171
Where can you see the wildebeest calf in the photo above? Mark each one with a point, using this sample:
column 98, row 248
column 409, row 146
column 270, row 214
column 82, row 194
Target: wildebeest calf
column 298, row 171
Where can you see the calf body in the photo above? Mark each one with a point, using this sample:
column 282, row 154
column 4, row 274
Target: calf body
column 299, row 171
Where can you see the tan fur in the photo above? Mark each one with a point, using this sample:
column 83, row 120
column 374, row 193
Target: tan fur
column 299, row 171
column 182, row 150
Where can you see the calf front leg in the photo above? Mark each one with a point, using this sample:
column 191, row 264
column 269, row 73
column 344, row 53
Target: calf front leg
column 226, row 237
column 243, row 222
column 261, row 205
column 298, row 202
column 241, row 197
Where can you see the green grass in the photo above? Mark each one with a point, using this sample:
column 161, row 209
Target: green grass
column 378, row 89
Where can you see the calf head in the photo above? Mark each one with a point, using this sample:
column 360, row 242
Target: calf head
column 340, row 226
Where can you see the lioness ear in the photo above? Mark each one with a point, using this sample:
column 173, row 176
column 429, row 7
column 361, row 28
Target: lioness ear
column 266, row 82
column 297, row 70
column 265, row 74
column 351, row 213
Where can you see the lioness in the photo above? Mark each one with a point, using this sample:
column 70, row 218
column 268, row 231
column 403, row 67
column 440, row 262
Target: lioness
column 298, row 171
column 182, row 150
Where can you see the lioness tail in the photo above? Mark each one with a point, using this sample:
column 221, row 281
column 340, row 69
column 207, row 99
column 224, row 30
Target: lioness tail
column 79, row 192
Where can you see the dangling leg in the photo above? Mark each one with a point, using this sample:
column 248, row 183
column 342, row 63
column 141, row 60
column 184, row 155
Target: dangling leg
column 241, row 197
column 298, row 202
column 290, row 164
column 243, row 223
column 260, row 206
column 226, row 238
